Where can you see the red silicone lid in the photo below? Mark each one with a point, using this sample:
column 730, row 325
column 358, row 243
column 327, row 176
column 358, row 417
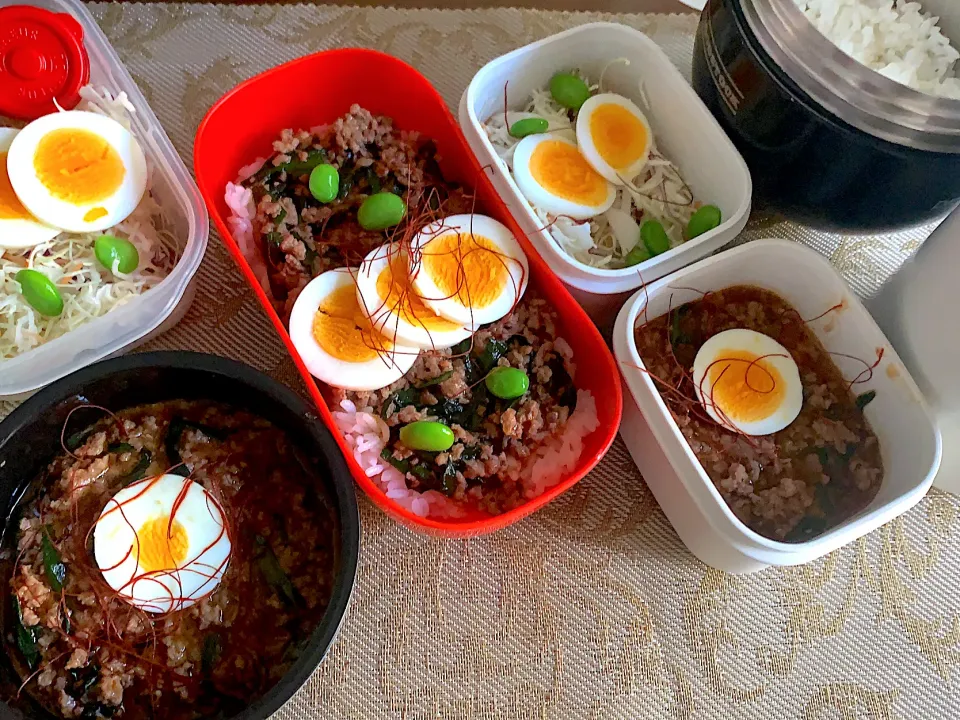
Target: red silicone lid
column 42, row 60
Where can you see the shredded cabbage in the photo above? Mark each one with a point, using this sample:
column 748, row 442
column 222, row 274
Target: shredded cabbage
column 88, row 289
column 659, row 193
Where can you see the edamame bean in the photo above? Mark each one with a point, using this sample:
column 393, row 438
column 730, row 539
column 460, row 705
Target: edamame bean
column 427, row 435
column 704, row 219
column 528, row 126
column 569, row 90
column 637, row 255
column 654, row 237
column 507, row 382
column 40, row 292
column 325, row 182
column 111, row 250
column 381, row 210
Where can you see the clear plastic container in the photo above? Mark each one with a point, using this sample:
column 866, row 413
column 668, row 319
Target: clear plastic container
column 909, row 441
column 164, row 305
column 683, row 128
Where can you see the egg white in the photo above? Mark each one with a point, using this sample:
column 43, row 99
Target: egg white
column 115, row 543
column 514, row 260
column 21, row 232
column 774, row 354
column 67, row 215
column 541, row 197
column 373, row 374
column 390, row 321
column 585, row 140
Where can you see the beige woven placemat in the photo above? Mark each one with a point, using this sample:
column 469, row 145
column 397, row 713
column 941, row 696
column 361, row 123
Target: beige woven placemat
column 591, row 608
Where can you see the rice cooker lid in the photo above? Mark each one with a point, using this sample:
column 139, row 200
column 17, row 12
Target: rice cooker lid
column 43, row 63
column 854, row 93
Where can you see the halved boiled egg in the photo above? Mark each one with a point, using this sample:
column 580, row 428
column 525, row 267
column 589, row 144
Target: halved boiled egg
column 388, row 297
column 748, row 382
column 162, row 543
column 469, row 269
column 554, row 176
column 18, row 228
column 77, row 170
column 336, row 340
column 614, row 136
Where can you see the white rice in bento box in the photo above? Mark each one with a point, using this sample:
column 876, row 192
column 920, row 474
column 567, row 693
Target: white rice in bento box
column 897, row 39
column 367, row 434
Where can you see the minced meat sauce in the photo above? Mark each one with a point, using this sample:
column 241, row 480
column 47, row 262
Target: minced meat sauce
column 85, row 653
column 794, row 484
column 302, row 237
column 494, row 437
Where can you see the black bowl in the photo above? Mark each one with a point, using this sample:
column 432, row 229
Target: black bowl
column 807, row 162
column 30, row 439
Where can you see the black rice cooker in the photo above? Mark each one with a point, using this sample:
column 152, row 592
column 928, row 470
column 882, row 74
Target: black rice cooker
column 829, row 142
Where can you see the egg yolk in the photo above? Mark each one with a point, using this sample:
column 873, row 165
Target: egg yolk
column 561, row 170
column 94, row 214
column 397, row 294
column 468, row 267
column 162, row 545
column 78, row 166
column 618, row 135
column 10, row 206
column 745, row 388
column 342, row 330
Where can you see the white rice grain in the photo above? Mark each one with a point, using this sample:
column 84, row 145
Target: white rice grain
column 897, row 39
column 242, row 211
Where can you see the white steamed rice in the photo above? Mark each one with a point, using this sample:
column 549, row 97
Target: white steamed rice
column 242, row 212
column 897, row 39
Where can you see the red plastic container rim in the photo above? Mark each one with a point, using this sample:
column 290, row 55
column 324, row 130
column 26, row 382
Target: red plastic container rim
column 468, row 528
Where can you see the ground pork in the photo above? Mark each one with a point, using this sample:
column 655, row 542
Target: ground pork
column 95, row 650
column 493, row 437
column 301, row 237
column 792, row 485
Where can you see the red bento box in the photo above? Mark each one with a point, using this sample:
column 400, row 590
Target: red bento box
column 317, row 89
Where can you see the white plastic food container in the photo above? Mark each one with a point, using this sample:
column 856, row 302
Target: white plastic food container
column 909, row 440
column 683, row 128
column 910, row 309
column 162, row 306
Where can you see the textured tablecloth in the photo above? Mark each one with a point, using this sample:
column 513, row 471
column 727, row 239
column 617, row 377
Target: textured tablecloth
column 592, row 608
